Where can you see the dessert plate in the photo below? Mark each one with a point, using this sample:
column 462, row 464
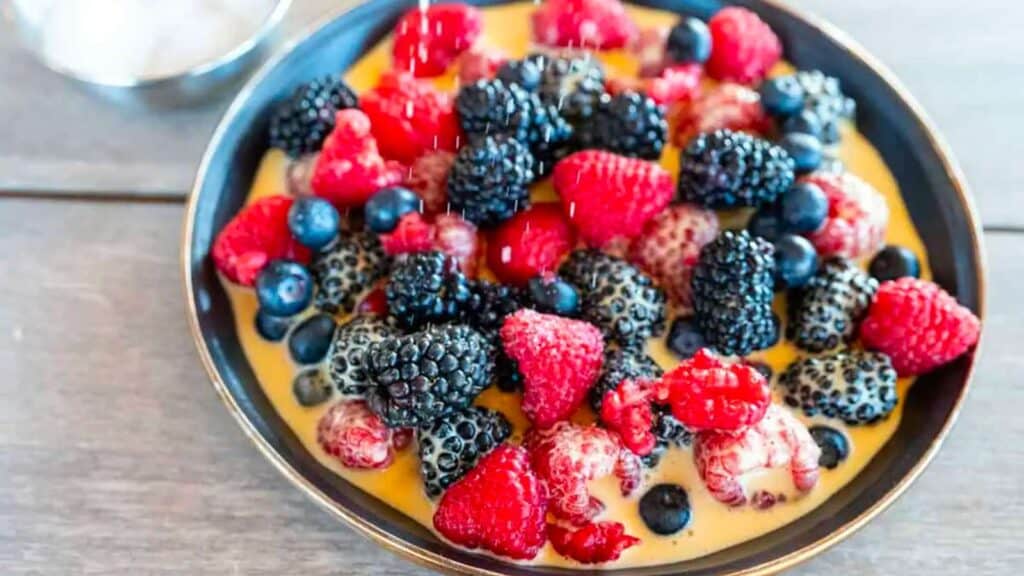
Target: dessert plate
column 933, row 189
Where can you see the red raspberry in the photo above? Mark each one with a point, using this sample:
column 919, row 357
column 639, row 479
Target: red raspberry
column 500, row 506
column 357, row 437
column 479, row 64
column 918, row 325
column 679, row 83
column 428, row 178
column 559, row 359
column 593, row 544
column 374, row 304
column 412, row 234
column 705, row 393
column 857, row 216
column 778, row 440
column 670, row 246
column 410, row 117
column 726, row 106
column 256, row 235
column 606, row 195
column 627, row 410
column 529, row 244
column 427, row 41
column 458, row 238
column 743, row 47
column 350, row 169
column 568, row 456
column 592, row 24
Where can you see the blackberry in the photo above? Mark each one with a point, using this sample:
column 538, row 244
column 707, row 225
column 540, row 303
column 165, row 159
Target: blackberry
column 732, row 293
column 621, row 364
column 854, row 386
column 301, row 123
column 630, row 124
column 453, row 445
column 420, row 377
column 726, row 169
column 424, row 288
column 825, row 312
column 823, row 97
column 616, row 297
column 488, row 304
column 347, row 271
column 526, row 73
column 488, row 182
column 347, row 355
column 668, row 432
column 574, row 85
column 506, row 372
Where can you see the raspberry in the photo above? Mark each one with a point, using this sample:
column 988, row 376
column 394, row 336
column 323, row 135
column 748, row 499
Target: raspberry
column 256, row 235
column 479, row 64
column 778, row 440
column 413, row 234
column 593, row 544
column 918, row 325
column 606, row 195
column 458, row 238
column 708, row 394
column 559, row 359
column 410, row 118
column 350, row 169
column 357, row 437
column 592, row 24
column 857, row 216
column 626, row 409
column 743, row 47
column 568, row 456
column 500, row 506
column 678, row 83
column 529, row 244
column 428, row 178
column 427, row 41
column 670, row 246
column 649, row 50
column 726, row 106
column 374, row 304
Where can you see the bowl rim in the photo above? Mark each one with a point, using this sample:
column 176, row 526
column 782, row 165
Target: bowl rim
column 445, row 564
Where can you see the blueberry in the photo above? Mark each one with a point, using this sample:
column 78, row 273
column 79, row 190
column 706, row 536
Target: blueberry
column 554, row 296
column 311, row 388
column 386, row 207
column 284, row 288
column 804, row 149
column 665, row 509
column 310, row 340
column 272, row 328
column 684, row 339
column 314, row 222
column 689, row 41
column 894, row 262
column 782, row 97
column 806, row 122
column 796, row 261
column 766, row 223
column 803, row 208
column 834, row 446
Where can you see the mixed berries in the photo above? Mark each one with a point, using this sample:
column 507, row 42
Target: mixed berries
column 520, row 232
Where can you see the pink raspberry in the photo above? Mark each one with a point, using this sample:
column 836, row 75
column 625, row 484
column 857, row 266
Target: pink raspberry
column 857, row 216
column 590, row 24
column 428, row 178
column 357, row 437
column 670, row 246
column 479, row 64
column 726, row 106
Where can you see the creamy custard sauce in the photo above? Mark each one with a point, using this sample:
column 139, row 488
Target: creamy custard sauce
column 714, row 526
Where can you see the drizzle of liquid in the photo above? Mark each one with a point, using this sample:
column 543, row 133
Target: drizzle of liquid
column 714, row 525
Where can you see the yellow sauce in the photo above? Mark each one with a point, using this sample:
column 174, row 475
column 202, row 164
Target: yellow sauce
column 714, row 525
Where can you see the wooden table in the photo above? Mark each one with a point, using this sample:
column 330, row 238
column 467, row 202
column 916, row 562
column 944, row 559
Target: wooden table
column 116, row 457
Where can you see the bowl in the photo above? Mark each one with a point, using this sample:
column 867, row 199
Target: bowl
column 932, row 184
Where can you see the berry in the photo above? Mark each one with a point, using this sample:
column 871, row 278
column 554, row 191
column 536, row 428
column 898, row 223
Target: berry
column 805, row 122
column 684, row 338
column 705, row 393
column 668, row 431
column 529, row 244
column 458, row 239
column 782, row 97
column 627, row 411
column 670, row 246
column 300, row 124
column 689, row 41
column 919, row 325
column 410, row 118
column 488, row 305
column 357, row 437
column 726, row 169
column 348, row 271
column 500, row 506
column 743, row 47
column 622, row 364
column 618, row 298
column 314, row 222
column 427, row 375
column 857, row 216
column 606, row 195
column 590, row 24
column 311, row 339
column 272, row 328
column 574, row 84
column 284, row 288
column 412, row 233
column 428, row 178
column 427, row 41
column 826, row 102
column 479, row 64
column 350, row 168
column 554, row 296
column 677, row 83
column 559, row 360
column 665, row 509
column 451, row 446
column 311, row 388
column 488, row 181
column 526, row 72
column 804, row 149
column 594, row 543
column 629, row 123
column 386, row 207
column 347, row 355
column 834, row 446
column 824, row 313
column 255, row 236
column 425, row 288
column 795, row 261
column 803, row 208
column 649, row 50
column 894, row 262
column 732, row 293
column 763, row 368
column 725, row 107
column 767, row 223
column 854, row 386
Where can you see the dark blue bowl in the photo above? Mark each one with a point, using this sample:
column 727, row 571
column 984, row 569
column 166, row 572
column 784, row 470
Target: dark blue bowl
column 932, row 185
